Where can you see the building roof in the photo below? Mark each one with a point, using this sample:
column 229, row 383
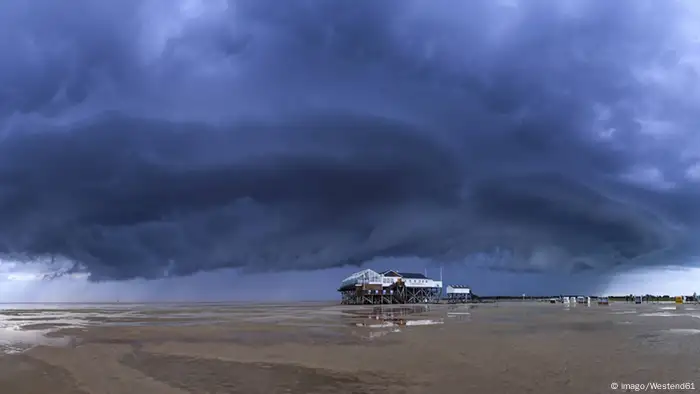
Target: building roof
column 390, row 273
column 407, row 275
column 410, row 275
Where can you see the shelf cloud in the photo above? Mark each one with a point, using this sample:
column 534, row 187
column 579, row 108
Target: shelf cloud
column 149, row 139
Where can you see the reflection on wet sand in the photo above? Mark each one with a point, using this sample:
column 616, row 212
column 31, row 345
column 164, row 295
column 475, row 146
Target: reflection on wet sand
column 15, row 340
column 384, row 320
column 322, row 348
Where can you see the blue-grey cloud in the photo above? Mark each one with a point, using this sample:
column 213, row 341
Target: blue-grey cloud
column 151, row 138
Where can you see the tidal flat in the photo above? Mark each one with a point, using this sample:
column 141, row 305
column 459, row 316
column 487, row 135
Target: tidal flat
column 505, row 347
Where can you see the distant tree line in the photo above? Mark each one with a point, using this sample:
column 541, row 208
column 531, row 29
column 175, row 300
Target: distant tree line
column 652, row 298
column 627, row 298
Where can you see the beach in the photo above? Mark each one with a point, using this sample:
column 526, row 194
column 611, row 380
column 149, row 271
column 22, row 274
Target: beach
column 505, row 347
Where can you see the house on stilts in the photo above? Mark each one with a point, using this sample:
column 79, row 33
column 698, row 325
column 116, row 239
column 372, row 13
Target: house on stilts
column 389, row 287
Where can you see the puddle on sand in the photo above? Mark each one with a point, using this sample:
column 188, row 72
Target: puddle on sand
column 44, row 319
column 683, row 331
column 386, row 328
column 668, row 314
column 378, row 334
column 381, row 312
column 155, row 323
column 460, row 316
column 385, row 314
column 460, row 313
column 401, row 323
column 15, row 340
column 388, row 319
column 660, row 314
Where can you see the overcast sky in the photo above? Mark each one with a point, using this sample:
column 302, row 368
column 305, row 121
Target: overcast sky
column 185, row 149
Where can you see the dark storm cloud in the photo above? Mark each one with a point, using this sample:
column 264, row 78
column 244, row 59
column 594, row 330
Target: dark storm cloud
column 149, row 139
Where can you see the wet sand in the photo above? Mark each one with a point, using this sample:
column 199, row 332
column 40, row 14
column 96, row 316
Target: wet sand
column 321, row 348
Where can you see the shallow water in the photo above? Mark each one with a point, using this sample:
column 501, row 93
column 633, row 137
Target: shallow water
column 26, row 325
column 14, row 340
column 684, row 331
column 23, row 326
column 502, row 347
